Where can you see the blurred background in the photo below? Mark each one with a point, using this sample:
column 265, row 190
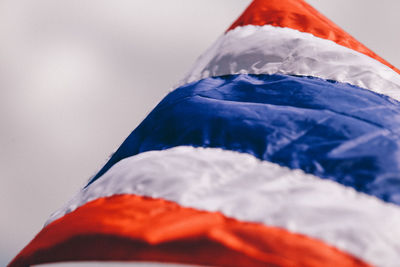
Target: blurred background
column 76, row 77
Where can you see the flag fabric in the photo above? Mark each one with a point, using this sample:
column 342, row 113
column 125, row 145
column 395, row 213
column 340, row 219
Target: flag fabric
column 280, row 147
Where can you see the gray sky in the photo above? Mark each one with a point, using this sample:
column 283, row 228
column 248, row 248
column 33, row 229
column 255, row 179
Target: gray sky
column 76, row 78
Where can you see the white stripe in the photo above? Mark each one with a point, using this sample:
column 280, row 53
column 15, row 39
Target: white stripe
column 269, row 50
column 243, row 187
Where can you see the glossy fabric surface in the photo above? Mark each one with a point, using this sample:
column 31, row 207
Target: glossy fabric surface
column 241, row 187
column 129, row 227
column 329, row 129
column 298, row 15
column 259, row 50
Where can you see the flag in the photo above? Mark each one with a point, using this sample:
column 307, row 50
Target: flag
column 280, row 147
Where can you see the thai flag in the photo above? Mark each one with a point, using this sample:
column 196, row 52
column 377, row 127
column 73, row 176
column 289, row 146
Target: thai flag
column 281, row 147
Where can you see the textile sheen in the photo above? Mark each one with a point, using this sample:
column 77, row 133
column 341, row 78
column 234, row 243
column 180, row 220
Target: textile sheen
column 329, row 129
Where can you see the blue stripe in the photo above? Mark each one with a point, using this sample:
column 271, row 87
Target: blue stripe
column 330, row 129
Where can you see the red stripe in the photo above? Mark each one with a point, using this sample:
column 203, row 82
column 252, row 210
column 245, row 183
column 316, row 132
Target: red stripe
column 129, row 227
column 299, row 15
